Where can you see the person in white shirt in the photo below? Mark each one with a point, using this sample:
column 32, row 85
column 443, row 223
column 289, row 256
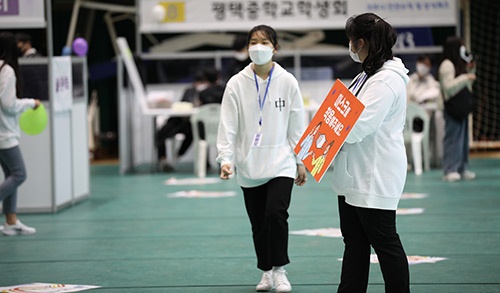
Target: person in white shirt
column 261, row 121
column 423, row 88
column 369, row 172
column 11, row 158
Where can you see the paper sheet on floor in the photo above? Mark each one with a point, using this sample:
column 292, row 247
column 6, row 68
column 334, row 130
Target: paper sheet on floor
column 322, row 232
column 201, row 194
column 413, row 195
column 46, row 288
column 412, row 259
column 411, row 211
column 192, row 181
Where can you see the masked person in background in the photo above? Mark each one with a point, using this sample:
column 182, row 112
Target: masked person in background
column 25, row 47
column 180, row 125
column 241, row 58
column 261, row 121
column 456, row 72
column 369, row 172
column 423, row 88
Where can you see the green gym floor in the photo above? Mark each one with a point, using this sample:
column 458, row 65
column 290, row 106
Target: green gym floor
column 131, row 236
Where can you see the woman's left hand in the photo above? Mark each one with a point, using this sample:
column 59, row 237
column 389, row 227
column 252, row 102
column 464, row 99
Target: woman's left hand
column 301, row 176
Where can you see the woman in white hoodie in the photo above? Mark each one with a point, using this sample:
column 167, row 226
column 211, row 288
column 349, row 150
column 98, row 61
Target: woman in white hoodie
column 369, row 172
column 261, row 121
column 11, row 159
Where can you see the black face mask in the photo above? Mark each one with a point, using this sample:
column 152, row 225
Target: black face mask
column 20, row 52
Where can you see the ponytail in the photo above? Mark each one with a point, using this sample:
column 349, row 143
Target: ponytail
column 378, row 34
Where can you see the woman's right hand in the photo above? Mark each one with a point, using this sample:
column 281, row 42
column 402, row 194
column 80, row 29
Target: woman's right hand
column 37, row 104
column 225, row 171
column 471, row 76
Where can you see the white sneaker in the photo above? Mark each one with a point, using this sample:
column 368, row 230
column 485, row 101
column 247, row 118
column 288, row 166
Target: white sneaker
column 452, row 177
column 468, row 175
column 266, row 283
column 281, row 283
column 17, row 229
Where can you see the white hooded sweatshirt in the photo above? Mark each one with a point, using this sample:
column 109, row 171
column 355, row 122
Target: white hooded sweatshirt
column 370, row 170
column 283, row 123
column 11, row 108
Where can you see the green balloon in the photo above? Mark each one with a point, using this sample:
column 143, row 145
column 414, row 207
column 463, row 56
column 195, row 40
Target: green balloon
column 33, row 122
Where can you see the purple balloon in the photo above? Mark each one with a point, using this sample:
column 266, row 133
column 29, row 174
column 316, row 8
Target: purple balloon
column 80, row 46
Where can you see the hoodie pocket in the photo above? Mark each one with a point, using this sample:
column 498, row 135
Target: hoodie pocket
column 342, row 180
column 265, row 162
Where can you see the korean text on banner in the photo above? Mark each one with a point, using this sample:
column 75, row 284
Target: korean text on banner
column 328, row 129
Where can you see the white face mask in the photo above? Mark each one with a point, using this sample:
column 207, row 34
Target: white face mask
column 241, row 56
column 260, row 54
column 422, row 69
column 354, row 56
column 463, row 54
column 201, row 87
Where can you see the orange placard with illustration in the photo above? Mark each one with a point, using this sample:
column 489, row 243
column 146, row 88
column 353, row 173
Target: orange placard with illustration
column 328, row 129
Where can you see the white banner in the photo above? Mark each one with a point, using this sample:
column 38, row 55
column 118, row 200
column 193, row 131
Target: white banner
column 241, row 15
column 62, row 84
column 22, row 14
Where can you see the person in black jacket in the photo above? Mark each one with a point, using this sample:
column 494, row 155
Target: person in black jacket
column 25, row 47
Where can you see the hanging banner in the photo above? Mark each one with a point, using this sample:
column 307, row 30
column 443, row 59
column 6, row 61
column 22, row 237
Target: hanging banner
column 242, row 15
column 22, row 14
column 62, row 83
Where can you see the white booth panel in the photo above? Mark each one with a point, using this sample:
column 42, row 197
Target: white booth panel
column 62, row 158
column 35, row 194
column 80, row 151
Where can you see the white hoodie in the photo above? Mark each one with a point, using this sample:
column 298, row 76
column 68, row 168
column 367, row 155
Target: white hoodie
column 11, row 107
column 283, row 123
column 370, row 169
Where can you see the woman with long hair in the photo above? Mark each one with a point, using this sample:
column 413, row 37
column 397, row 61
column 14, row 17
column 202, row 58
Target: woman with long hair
column 455, row 74
column 369, row 172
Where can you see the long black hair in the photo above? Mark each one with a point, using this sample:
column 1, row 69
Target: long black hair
column 377, row 33
column 8, row 53
column 268, row 31
column 451, row 51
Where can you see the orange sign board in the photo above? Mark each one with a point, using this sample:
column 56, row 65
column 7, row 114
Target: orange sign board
column 328, row 129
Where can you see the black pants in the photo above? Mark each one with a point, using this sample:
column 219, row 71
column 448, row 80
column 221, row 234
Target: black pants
column 174, row 126
column 267, row 207
column 362, row 227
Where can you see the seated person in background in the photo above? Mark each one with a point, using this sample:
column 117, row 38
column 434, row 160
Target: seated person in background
column 176, row 125
column 212, row 94
column 215, row 89
column 33, row 78
column 25, row 47
column 423, row 88
column 206, row 89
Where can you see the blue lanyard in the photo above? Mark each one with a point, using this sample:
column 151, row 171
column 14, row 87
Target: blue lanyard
column 262, row 101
